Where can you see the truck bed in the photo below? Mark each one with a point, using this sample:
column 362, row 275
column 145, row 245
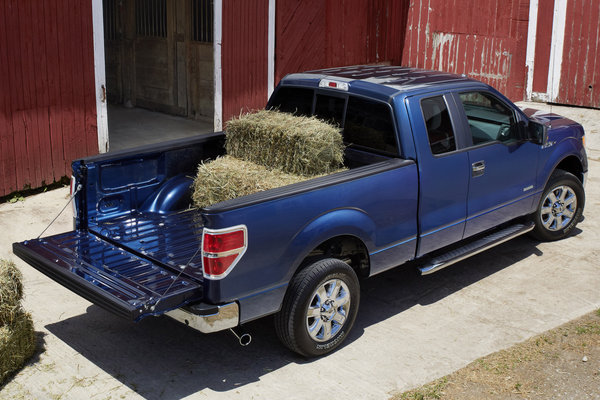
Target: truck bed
column 170, row 240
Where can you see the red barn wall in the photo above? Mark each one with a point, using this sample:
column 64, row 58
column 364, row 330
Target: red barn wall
column 47, row 90
column 485, row 39
column 244, row 55
column 318, row 34
column 543, row 46
column 580, row 71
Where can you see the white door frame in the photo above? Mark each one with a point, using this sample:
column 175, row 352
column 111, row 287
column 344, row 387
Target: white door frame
column 217, row 77
column 100, row 76
column 556, row 50
column 271, row 49
column 217, row 43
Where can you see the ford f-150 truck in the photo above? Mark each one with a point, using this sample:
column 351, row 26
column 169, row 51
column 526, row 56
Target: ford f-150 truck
column 440, row 167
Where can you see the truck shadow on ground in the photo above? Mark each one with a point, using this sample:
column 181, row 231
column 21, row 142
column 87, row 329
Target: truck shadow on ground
column 162, row 359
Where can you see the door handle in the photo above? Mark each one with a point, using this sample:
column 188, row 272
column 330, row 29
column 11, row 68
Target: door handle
column 477, row 168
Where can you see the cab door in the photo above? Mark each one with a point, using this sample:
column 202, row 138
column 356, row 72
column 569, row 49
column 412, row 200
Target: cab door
column 502, row 165
column 443, row 170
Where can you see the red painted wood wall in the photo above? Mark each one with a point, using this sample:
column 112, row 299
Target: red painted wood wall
column 318, row 34
column 47, row 90
column 543, row 46
column 244, row 55
column 485, row 39
column 580, row 71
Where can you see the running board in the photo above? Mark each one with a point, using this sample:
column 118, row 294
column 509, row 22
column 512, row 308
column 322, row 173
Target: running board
column 475, row 247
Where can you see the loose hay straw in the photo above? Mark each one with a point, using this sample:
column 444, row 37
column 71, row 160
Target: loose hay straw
column 293, row 144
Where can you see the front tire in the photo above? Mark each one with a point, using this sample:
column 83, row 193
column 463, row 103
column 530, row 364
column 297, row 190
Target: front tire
column 560, row 208
column 319, row 308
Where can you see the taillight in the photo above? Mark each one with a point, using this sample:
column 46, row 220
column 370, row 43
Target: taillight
column 222, row 249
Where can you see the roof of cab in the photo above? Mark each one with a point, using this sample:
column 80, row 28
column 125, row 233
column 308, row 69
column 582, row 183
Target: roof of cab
column 393, row 78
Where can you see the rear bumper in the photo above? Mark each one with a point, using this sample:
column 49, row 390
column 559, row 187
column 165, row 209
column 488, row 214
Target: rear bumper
column 207, row 318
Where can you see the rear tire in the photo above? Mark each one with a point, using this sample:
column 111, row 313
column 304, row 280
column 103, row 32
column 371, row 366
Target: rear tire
column 560, row 208
column 319, row 308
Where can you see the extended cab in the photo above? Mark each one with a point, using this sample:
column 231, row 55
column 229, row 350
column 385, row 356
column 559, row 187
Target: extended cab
column 440, row 167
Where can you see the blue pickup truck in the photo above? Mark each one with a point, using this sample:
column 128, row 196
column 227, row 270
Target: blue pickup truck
column 440, row 167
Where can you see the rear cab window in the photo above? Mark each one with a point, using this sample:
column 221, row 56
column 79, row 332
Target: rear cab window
column 366, row 124
column 297, row 101
column 439, row 126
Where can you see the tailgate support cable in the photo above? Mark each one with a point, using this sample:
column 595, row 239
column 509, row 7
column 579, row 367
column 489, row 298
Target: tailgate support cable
column 79, row 187
column 183, row 267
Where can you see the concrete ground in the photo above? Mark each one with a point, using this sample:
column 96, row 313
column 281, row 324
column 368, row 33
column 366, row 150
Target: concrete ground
column 130, row 127
column 409, row 330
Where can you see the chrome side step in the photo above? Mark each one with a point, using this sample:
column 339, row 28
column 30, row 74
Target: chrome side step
column 475, row 247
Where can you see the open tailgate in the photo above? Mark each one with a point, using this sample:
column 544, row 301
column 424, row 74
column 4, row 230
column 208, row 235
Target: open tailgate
column 108, row 275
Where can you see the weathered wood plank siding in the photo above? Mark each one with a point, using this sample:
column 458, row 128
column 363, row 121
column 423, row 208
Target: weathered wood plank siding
column 543, row 46
column 484, row 39
column 244, row 56
column 47, row 103
column 301, row 36
column 318, row 34
column 580, row 70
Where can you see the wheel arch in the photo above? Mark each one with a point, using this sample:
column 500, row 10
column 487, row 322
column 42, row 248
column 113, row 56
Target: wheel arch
column 566, row 157
column 347, row 248
column 346, row 234
column 570, row 164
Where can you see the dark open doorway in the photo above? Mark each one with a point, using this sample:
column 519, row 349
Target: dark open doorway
column 159, row 57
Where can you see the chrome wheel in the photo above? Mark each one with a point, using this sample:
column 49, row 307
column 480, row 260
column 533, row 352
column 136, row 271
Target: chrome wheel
column 319, row 307
column 328, row 310
column 558, row 208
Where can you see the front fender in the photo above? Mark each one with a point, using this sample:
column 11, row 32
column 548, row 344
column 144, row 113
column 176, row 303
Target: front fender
column 569, row 147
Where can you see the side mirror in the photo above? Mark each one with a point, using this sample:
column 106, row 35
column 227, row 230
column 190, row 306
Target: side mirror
column 537, row 132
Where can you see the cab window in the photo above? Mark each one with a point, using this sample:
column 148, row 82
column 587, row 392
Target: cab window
column 330, row 109
column 366, row 124
column 489, row 118
column 292, row 100
column 369, row 124
column 439, row 126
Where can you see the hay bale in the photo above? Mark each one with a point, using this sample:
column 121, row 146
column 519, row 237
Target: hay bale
column 11, row 291
column 293, row 144
column 17, row 344
column 8, row 313
column 227, row 178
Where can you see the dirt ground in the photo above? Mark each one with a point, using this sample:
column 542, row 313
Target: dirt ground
column 563, row 363
column 410, row 330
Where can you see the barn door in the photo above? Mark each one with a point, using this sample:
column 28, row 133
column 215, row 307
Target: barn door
column 564, row 53
column 160, row 55
column 580, row 71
